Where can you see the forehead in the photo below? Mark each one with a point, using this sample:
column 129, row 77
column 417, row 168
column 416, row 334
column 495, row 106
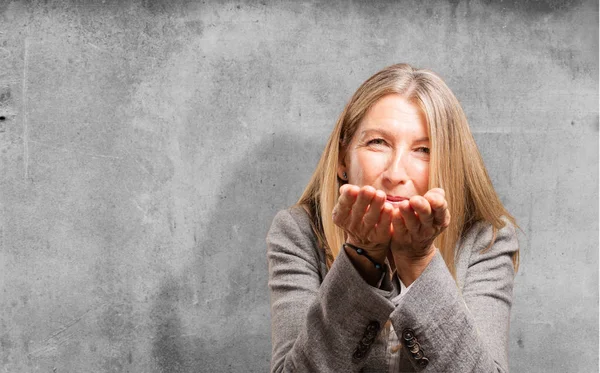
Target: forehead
column 393, row 113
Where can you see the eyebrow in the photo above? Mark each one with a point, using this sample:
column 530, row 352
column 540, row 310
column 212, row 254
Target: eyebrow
column 376, row 130
column 387, row 133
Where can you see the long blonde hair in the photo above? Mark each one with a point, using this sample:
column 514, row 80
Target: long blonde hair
column 455, row 162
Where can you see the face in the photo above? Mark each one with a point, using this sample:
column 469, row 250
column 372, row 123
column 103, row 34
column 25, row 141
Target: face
column 390, row 150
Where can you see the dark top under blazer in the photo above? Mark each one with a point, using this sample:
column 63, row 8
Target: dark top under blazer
column 331, row 321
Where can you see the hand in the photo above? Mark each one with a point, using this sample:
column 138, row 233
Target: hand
column 366, row 218
column 416, row 224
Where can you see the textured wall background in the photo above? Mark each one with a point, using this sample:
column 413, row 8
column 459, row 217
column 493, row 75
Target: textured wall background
column 146, row 146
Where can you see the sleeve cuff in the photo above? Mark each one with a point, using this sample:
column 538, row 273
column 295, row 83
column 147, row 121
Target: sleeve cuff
column 399, row 285
column 354, row 293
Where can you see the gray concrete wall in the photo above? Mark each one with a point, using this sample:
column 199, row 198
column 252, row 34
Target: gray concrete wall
column 146, row 146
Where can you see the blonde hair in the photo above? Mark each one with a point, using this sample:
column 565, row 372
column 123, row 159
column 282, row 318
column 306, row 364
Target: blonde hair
column 455, row 162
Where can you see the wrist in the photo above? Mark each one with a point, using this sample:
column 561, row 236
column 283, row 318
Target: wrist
column 376, row 252
column 411, row 258
column 369, row 269
column 410, row 267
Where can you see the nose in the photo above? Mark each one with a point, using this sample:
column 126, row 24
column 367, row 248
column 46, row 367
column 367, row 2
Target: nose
column 396, row 170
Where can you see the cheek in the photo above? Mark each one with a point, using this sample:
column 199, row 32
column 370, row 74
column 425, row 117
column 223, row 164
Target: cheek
column 421, row 176
column 367, row 166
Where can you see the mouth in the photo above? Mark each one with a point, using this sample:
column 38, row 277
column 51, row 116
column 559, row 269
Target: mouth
column 395, row 199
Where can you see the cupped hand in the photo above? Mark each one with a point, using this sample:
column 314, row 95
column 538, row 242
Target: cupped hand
column 417, row 222
column 362, row 212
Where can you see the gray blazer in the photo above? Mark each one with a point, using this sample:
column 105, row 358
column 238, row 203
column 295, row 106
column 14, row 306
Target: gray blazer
column 330, row 321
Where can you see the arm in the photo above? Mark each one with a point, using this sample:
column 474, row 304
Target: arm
column 468, row 332
column 318, row 327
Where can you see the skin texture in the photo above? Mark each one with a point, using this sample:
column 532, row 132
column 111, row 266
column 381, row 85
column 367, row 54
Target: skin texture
column 387, row 160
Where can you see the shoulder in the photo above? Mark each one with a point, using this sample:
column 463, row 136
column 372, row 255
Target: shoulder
column 483, row 240
column 294, row 225
column 485, row 233
column 291, row 236
column 293, row 219
column 486, row 264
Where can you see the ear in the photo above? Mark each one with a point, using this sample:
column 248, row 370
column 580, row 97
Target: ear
column 341, row 172
column 342, row 169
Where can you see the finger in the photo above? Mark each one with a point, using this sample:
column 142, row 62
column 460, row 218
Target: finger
column 341, row 211
column 439, row 206
column 423, row 208
column 348, row 195
column 365, row 195
column 372, row 216
column 446, row 222
column 398, row 225
column 408, row 214
column 384, row 228
column 435, row 198
column 439, row 191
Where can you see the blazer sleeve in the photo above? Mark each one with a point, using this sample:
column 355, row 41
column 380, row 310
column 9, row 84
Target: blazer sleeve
column 316, row 326
column 443, row 330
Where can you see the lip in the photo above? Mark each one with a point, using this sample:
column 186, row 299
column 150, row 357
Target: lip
column 395, row 198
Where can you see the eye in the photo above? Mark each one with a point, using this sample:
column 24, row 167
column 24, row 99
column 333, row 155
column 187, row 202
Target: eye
column 423, row 149
column 377, row 141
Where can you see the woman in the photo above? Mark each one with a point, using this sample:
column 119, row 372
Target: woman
column 399, row 256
